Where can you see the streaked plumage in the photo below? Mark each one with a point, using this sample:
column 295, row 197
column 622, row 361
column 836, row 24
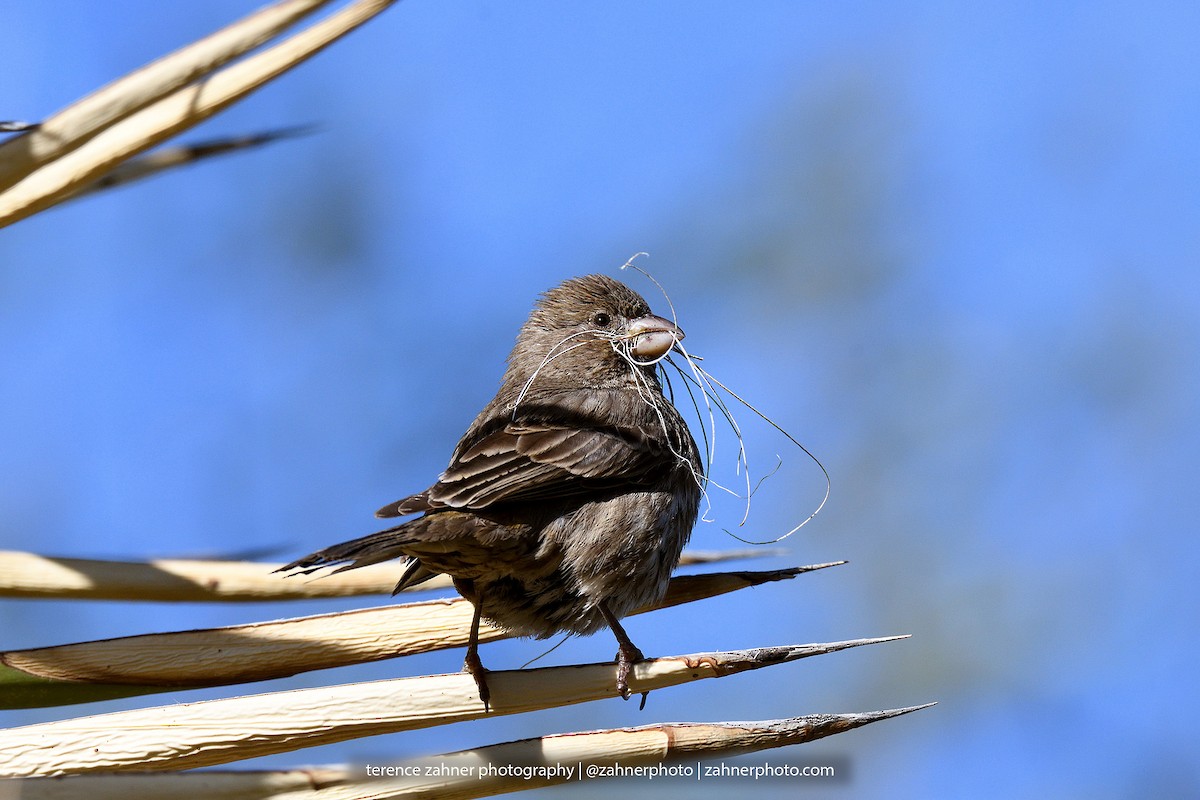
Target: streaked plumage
column 569, row 499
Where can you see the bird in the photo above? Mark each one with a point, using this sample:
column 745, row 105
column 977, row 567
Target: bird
column 569, row 499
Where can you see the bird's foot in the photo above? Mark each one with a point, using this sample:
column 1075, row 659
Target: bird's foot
column 627, row 656
column 475, row 667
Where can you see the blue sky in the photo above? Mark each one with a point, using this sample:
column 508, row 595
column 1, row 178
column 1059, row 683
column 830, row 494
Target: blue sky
column 951, row 248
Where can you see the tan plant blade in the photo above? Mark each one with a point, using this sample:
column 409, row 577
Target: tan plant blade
column 54, row 181
column 474, row 773
column 213, row 732
column 658, row 747
column 168, row 158
column 179, row 580
column 189, row 580
column 83, row 119
column 293, row 784
column 132, row 665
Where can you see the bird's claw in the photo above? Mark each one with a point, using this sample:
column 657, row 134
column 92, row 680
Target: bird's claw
column 626, row 658
column 473, row 665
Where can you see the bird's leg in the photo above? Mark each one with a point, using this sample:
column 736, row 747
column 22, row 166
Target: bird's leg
column 627, row 653
column 472, row 664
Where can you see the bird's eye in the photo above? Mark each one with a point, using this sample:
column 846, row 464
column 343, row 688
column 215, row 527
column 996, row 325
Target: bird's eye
column 601, row 320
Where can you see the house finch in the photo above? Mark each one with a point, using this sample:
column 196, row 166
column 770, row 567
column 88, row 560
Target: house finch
column 569, row 499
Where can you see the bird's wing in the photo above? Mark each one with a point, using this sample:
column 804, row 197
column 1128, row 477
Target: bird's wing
column 567, row 445
column 524, row 461
column 409, row 505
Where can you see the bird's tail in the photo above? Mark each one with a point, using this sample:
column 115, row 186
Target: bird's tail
column 371, row 549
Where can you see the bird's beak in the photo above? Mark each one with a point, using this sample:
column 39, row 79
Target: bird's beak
column 652, row 336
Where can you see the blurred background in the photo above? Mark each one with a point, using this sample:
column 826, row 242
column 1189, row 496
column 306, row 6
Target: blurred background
column 953, row 250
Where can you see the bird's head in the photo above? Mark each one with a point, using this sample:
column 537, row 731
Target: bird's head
column 590, row 331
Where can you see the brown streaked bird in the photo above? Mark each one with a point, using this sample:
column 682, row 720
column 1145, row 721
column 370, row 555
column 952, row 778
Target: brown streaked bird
column 569, row 499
